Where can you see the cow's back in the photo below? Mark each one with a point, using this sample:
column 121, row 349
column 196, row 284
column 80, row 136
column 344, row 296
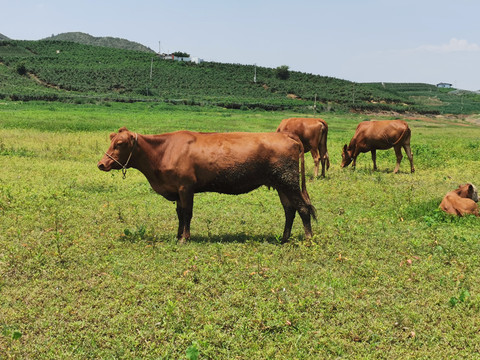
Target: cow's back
column 235, row 163
column 453, row 204
column 380, row 134
column 309, row 130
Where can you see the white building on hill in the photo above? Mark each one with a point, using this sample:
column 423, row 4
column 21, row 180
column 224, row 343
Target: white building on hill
column 195, row 60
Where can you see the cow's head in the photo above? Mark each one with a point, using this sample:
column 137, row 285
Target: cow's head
column 120, row 151
column 468, row 191
column 346, row 156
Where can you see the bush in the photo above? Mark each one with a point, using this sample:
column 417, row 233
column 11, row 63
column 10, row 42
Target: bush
column 21, row 69
column 181, row 54
column 282, row 72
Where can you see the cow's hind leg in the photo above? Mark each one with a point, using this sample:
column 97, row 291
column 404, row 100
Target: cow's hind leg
column 408, row 151
column 325, row 162
column 289, row 216
column 316, row 160
column 293, row 202
column 398, row 153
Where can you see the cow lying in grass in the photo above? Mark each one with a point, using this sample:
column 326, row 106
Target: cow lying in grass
column 461, row 201
column 180, row 164
column 313, row 134
column 379, row 135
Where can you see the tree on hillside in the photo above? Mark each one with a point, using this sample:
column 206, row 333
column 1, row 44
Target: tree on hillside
column 21, row 68
column 181, row 54
column 282, row 72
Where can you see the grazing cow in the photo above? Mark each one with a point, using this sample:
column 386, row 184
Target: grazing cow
column 379, row 135
column 180, row 164
column 461, row 201
column 313, row 133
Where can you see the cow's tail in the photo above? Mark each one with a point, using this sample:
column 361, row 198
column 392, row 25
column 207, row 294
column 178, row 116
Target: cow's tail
column 323, row 146
column 311, row 209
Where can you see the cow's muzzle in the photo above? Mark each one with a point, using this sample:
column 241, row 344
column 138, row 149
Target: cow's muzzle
column 102, row 166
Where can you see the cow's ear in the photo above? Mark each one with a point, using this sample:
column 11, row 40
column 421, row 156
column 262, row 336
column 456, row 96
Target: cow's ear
column 345, row 148
column 112, row 135
column 470, row 190
column 122, row 129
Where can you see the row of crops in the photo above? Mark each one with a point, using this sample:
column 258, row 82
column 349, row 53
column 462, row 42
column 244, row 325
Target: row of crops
column 56, row 70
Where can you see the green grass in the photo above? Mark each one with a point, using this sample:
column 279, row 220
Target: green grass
column 90, row 268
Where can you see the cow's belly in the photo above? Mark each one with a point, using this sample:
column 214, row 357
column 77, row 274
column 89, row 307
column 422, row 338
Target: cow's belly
column 232, row 189
column 229, row 186
column 234, row 181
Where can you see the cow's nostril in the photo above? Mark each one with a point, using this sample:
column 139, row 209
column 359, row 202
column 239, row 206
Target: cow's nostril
column 101, row 166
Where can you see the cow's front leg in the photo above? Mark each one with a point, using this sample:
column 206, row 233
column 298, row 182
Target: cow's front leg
column 184, row 212
column 398, row 153
column 181, row 221
column 374, row 159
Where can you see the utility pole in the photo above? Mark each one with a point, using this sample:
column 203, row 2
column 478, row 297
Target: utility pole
column 151, row 69
column 151, row 72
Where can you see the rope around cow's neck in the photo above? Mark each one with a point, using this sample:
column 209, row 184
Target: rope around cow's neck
column 124, row 167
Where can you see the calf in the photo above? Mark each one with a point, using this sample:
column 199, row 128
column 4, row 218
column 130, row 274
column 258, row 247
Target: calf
column 180, row 164
column 461, row 201
column 379, row 135
column 313, row 134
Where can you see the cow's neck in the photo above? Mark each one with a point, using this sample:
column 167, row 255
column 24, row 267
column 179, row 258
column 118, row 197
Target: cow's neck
column 148, row 154
column 352, row 146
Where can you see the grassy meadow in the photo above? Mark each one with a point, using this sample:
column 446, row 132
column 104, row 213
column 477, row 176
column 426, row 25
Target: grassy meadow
column 90, row 267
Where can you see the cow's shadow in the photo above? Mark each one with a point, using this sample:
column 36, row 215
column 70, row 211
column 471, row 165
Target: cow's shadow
column 370, row 171
column 240, row 238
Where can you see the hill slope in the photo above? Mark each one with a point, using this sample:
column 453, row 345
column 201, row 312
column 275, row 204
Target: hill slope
column 66, row 71
column 86, row 39
column 3, row 37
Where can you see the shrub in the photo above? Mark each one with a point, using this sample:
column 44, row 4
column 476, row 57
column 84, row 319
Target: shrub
column 21, row 69
column 282, row 72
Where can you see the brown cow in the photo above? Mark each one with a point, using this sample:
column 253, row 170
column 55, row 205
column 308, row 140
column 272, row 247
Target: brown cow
column 180, row 164
column 379, row 135
column 461, row 201
column 313, row 133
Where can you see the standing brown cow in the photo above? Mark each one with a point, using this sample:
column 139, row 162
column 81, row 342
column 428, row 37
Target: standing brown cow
column 461, row 201
column 379, row 135
column 313, row 134
column 180, row 164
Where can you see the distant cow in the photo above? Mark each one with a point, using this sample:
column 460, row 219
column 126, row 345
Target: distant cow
column 313, row 133
column 461, row 201
column 183, row 163
column 379, row 135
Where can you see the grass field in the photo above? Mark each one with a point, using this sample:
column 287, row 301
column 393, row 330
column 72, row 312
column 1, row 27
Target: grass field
column 90, row 267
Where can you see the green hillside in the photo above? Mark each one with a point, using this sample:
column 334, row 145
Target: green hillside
column 68, row 71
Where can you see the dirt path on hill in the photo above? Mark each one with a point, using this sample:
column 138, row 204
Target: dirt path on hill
column 43, row 83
